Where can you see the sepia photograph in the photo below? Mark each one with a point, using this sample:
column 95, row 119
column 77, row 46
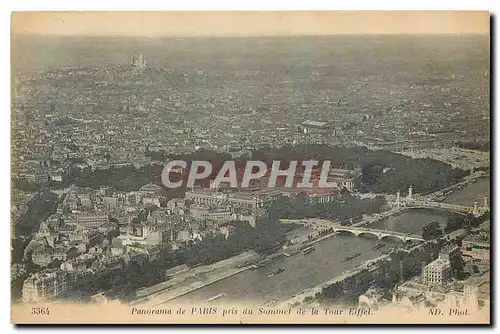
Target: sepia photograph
column 250, row 167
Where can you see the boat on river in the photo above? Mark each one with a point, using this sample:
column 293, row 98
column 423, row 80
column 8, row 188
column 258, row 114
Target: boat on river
column 276, row 272
column 350, row 257
column 215, row 297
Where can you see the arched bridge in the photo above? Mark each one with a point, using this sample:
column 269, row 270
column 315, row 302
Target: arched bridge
column 428, row 202
column 460, row 209
column 378, row 233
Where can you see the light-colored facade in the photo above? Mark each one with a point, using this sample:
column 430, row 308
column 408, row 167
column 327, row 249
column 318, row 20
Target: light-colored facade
column 90, row 221
column 44, row 285
column 342, row 178
column 217, row 214
column 38, row 177
column 42, row 258
column 211, row 197
column 437, row 272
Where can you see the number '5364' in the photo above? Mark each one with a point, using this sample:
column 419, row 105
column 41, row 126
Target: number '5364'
column 40, row 310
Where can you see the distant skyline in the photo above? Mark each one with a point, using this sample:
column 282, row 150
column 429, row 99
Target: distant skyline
column 284, row 23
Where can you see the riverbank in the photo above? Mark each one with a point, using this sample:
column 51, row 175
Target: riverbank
column 184, row 283
column 473, row 177
column 312, row 292
column 41, row 206
column 203, row 276
column 310, row 295
column 194, row 279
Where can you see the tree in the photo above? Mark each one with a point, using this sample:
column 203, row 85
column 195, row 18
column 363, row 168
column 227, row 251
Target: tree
column 469, row 222
column 432, row 231
column 370, row 174
column 457, row 264
column 453, row 223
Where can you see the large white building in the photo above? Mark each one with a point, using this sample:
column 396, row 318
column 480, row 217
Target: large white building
column 245, row 199
column 44, row 285
column 437, row 272
column 89, row 220
column 310, row 126
column 342, row 178
column 37, row 176
column 139, row 63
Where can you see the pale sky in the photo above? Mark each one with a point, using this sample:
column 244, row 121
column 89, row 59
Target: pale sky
column 156, row 24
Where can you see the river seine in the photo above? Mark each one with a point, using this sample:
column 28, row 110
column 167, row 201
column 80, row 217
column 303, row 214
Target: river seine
column 303, row 271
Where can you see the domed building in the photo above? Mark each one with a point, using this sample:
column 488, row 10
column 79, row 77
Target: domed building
column 150, row 189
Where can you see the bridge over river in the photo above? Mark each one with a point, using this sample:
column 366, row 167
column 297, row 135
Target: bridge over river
column 358, row 231
column 455, row 208
column 437, row 202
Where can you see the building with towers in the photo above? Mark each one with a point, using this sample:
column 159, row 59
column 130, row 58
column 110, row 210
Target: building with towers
column 139, row 63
